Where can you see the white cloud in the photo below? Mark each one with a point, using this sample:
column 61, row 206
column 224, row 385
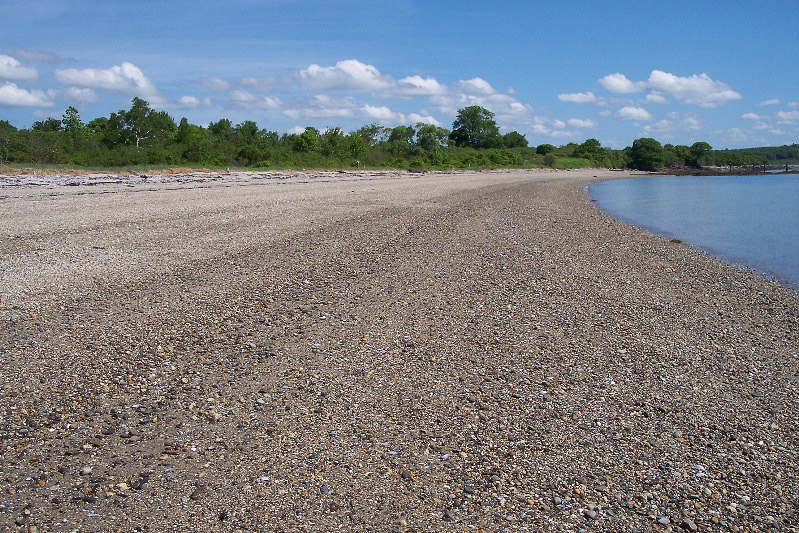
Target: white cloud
column 296, row 130
column 417, row 85
column 605, row 113
column 476, row 86
column 415, row 118
column 82, row 95
column 618, row 83
column 189, row 102
column 773, row 101
column 656, row 98
column 322, row 106
column 12, row 69
column 126, row 78
column 349, row 74
column 581, row 123
column 378, row 112
column 634, row 113
column 793, row 104
column 788, row 117
column 760, row 126
column 215, row 84
column 751, row 116
column 11, row 95
column 578, row 98
column 777, row 131
column 698, row 89
column 248, row 100
column 39, row 55
column 558, row 124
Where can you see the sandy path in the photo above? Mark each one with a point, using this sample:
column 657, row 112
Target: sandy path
column 408, row 351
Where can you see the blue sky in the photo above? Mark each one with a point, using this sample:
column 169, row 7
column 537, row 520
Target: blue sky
column 725, row 72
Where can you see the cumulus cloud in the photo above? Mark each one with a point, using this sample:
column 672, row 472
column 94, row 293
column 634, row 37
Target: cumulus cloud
column 11, row 95
column 189, row 102
column 773, row 101
column 476, row 86
column 415, row 118
column 618, row 83
column 81, row 95
column 581, row 123
column 656, row 98
column 12, row 69
column 788, row 117
column 349, row 74
column 125, row 78
column 322, row 106
column 578, row 98
column 39, row 55
column 248, row 100
column 793, row 104
column 417, row 85
column 215, row 84
column 751, row 116
column 634, row 113
column 378, row 112
column 698, row 89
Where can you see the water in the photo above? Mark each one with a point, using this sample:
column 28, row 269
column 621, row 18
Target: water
column 748, row 220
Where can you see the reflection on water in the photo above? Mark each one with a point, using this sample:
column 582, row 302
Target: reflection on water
column 750, row 220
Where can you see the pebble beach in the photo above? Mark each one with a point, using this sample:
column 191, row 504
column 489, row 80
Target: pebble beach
column 391, row 351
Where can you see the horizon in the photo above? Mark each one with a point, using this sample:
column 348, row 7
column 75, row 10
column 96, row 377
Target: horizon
column 616, row 74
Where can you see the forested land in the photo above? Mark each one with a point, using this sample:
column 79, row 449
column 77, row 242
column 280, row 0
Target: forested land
column 142, row 135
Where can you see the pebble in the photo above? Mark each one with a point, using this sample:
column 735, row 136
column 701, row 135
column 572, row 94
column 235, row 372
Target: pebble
column 689, row 525
column 86, row 471
column 664, row 520
column 405, row 475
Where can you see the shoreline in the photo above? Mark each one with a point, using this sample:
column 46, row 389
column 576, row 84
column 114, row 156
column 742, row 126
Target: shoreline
column 418, row 351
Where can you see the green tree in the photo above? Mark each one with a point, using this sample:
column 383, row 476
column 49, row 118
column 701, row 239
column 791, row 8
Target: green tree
column 48, row 124
column 514, row 139
column 697, row 152
column 475, row 127
column 544, row 149
column 430, row 137
column 222, row 129
column 142, row 123
column 647, row 154
column 372, row 133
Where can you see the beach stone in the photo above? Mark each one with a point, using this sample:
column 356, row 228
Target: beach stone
column 86, row 471
column 405, row 474
column 688, row 525
column 664, row 520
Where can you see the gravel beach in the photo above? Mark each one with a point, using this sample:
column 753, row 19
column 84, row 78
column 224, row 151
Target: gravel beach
column 378, row 352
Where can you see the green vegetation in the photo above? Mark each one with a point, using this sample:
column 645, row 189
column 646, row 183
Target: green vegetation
column 141, row 137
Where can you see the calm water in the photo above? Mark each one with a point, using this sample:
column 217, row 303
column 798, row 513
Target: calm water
column 749, row 220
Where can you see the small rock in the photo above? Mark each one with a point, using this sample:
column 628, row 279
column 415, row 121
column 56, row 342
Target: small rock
column 324, row 489
column 86, row 471
column 688, row 524
column 590, row 513
column 405, row 475
column 468, row 489
column 198, row 493
column 664, row 520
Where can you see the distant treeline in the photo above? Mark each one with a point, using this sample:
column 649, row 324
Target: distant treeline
column 143, row 136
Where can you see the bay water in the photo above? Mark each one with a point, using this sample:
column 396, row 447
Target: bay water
column 749, row 220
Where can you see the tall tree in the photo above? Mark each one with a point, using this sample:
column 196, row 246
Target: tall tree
column 475, row 127
column 647, row 154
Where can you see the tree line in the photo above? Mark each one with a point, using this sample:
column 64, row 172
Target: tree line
column 142, row 135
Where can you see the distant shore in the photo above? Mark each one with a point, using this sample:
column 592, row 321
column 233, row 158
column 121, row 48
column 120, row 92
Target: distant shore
column 385, row 351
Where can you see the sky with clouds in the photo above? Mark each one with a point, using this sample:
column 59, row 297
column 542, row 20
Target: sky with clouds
column 725, row 72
